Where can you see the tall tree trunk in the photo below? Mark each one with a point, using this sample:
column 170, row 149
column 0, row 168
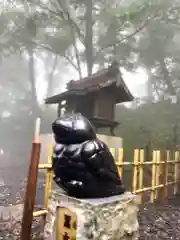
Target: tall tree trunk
column 51, row 76
column 77, row 55
column 89, row 36
column 166, row 76
column 149, row 86
column 32, row 79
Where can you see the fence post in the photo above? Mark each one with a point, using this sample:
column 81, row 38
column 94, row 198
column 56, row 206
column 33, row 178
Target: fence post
column 157, row 155
column 120, row 162
column 141, row 165
column 165, row 174
column 48, row 177
column 135, row 170
column 153, row 177
column 47, row 190
column 31, row 186
column 176, row 166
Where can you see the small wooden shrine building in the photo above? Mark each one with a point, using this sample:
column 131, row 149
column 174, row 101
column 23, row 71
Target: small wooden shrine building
column 95, row 97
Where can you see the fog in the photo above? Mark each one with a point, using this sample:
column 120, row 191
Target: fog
column 43, row 45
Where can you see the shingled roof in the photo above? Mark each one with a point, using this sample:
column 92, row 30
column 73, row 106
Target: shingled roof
column 100, row 79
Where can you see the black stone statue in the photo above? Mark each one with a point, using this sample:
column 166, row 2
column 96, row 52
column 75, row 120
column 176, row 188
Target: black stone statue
column 82, row 164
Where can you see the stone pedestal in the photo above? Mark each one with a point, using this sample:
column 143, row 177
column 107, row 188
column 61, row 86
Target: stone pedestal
column 113, row 218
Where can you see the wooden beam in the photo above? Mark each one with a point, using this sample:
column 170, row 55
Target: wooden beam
column 31, row 186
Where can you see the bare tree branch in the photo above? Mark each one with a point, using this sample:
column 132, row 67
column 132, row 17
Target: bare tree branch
column 77, row 56
column 75, row 29
column 51, row 75
column 130, row 35
column 64, row 14
column 72, row 63
column 56, row 52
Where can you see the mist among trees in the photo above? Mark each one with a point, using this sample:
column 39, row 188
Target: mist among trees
column 43, row 42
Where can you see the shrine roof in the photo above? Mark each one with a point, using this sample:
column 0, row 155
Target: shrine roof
column 110, row 76
column 64, row 95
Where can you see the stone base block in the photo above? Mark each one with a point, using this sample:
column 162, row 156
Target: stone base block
column 113, row 218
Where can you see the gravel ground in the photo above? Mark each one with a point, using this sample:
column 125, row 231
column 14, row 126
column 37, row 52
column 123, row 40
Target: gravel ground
column 160, row 220
column 157, row 221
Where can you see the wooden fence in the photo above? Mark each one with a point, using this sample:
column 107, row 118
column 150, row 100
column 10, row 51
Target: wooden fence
column 150, row 178
column 153, row 177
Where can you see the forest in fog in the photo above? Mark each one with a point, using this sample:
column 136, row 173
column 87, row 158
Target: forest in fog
column 44, row 44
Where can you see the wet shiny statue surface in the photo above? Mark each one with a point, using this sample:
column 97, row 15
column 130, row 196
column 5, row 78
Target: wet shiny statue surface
column 83, row 165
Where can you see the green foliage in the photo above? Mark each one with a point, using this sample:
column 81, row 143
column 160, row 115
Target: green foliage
column 153, row 125
column 136, row 33
column 58, row 26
